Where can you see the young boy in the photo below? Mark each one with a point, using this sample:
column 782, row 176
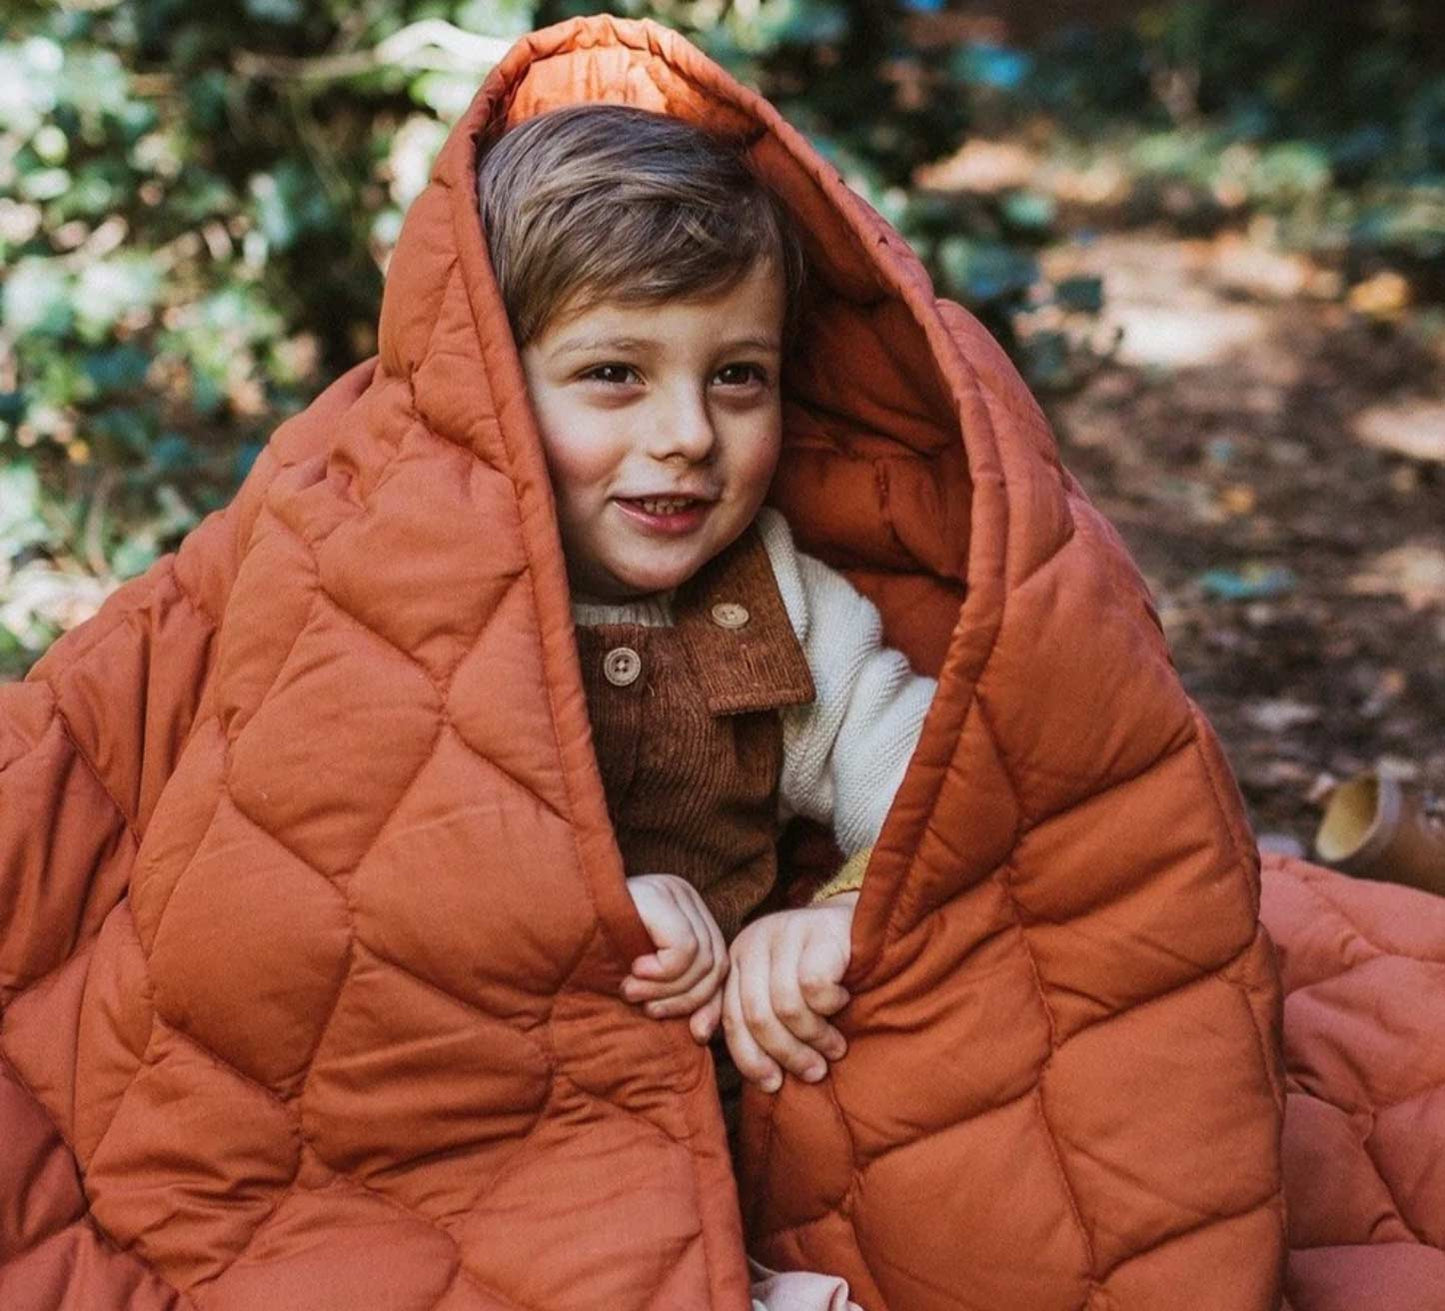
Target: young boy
column 653, row 287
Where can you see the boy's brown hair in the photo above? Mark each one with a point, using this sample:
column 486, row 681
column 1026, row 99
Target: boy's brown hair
column 603, row 202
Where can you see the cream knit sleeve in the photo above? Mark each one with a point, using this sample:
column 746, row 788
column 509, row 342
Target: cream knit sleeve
column 844, row 755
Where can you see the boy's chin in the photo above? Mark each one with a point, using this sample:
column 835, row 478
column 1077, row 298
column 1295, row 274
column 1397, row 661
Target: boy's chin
column 633, row 581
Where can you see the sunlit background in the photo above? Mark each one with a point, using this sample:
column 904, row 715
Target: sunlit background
column 1212, row 235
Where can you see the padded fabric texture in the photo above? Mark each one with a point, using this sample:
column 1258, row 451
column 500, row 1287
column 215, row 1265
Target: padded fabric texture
column 1363, row 966
column 312, row 924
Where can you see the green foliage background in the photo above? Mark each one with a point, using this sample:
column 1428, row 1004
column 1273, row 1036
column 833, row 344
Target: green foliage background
column 197, row 201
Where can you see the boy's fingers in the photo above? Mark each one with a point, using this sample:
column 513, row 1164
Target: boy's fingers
column 830, row 1043
column 691, row 987
column 674, row 958
column 688, row 972
column 646, row 966
column 821, row 965
column 667, row 925
column 769, row 1031
column 655, row 975
column 716, row 933
column 721, row 961
column 634, row 987
column 753, row 1063
column 826, row 998
column 661, row 968
column 683, row 1003
column 791, row 1004
column 694, row 984
column 641, row 990
column 785, row 998
column 704, row 951
column 705, row 1019
column 814, row 1031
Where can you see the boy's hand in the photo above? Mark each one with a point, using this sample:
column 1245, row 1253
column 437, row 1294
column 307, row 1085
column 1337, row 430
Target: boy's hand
column 784, row 982
column 684, row 975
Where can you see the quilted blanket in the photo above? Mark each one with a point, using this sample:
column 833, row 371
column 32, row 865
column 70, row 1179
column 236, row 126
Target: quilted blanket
column 312, row 923
column 1363, row 966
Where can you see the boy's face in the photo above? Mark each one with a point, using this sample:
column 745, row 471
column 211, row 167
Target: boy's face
column 661, row 425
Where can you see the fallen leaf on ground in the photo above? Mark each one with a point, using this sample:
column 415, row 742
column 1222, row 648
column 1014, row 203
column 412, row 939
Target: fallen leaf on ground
column 1416, row 429
column 1249, row 583
column 1182, row 338
column 1238, row 498
column 1382, row 297
column 1244, row 265
column 1277, row 716
column 1412, row 572
column 982, row 166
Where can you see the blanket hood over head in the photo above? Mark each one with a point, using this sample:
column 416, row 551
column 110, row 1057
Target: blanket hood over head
column 313, row 921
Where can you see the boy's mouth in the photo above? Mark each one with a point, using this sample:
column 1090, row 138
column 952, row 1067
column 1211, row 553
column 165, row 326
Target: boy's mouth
column 669, row 515
column 663, row 504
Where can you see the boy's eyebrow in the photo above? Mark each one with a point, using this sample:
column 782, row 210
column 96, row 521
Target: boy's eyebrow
column 571, row 345
column 757, row 343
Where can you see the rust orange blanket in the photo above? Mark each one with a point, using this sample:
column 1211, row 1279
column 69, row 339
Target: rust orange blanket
column 311, row 920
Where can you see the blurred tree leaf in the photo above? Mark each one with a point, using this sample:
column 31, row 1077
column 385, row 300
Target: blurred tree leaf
column 37, row 298
column 107, row 289
column 22, row 522
column 1031, row 211
column 1084, row 295
column 985, row 271
column 997, row 67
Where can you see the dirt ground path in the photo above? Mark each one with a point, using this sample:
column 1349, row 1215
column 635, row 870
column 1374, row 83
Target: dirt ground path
column 1276, row 462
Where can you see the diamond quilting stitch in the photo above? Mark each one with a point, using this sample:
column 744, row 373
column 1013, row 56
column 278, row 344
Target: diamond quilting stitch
column 330, row 817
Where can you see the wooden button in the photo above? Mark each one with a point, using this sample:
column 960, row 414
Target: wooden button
column 729, row 614
column 621, row 666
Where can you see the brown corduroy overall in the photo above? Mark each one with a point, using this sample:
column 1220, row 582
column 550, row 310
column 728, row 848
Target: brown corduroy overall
column 687, row 734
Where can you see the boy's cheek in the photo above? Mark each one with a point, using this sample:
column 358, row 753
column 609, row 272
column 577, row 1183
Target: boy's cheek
column 577, row 446
column 578, row 476
column 572, row 451
column 762, row 464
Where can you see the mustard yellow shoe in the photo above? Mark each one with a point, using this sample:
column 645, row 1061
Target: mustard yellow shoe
column 1378, row 829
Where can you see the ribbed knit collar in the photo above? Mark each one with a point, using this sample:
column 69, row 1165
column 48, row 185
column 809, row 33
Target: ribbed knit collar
column 653, row 611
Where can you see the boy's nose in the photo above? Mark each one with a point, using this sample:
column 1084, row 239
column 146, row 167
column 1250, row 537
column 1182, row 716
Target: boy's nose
column 685, row 429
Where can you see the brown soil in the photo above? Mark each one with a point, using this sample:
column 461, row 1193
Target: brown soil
column 1227, row 436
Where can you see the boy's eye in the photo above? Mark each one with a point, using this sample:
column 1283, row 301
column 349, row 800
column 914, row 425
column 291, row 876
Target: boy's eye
column 611, row 373
column 741, row 375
